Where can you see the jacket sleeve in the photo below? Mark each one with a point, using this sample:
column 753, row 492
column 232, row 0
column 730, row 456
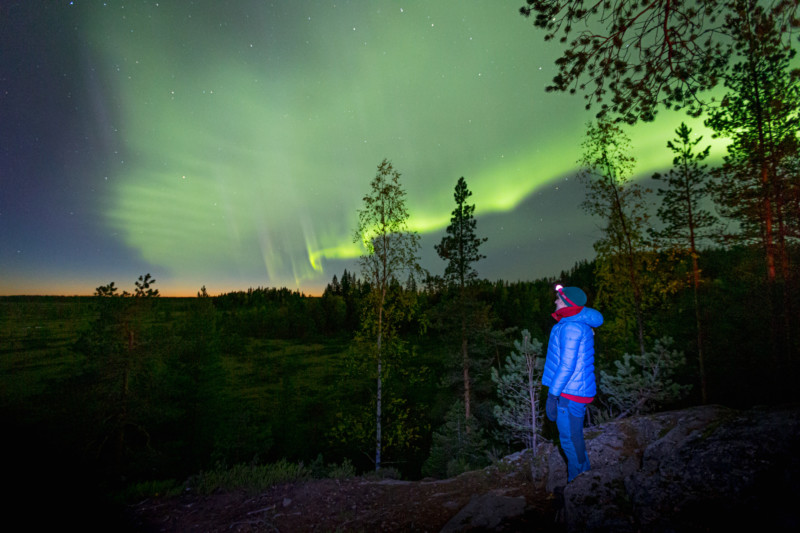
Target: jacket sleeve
column 569, row 342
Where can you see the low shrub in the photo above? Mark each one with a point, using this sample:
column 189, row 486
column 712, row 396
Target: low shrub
column 249, row 477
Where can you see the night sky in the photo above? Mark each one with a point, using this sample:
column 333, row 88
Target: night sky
column 229, row 143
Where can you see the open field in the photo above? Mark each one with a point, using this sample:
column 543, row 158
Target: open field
column 279, row 395
column 37, row 336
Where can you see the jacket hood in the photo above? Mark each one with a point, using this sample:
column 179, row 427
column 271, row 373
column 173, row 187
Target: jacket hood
column 590, row 317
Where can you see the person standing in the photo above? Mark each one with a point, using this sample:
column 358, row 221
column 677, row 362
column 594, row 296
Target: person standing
column 569, row 373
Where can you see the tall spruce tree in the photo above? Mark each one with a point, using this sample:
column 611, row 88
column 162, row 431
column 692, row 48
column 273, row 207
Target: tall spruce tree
column 686, row 222
column 391, row 254
column 460, row 247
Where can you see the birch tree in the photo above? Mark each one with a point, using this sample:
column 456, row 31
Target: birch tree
column 621, row 204
column 390, row 254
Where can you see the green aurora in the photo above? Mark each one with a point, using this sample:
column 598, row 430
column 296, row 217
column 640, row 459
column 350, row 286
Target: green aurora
column 241, row 136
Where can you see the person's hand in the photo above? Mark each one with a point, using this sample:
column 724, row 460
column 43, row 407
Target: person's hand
column 551, row 407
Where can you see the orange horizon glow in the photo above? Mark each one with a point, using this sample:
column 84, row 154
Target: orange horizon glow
column 82, row 289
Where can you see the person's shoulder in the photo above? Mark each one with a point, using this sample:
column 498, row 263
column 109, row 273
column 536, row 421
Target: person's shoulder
column 572, row 324
column 591, row 317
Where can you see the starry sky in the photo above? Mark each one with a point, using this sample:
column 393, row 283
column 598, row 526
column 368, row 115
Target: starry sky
column 228, row 143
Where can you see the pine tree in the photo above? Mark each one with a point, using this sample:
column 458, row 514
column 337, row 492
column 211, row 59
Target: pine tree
column 641, row 382
column 633, row 57
column 193, row 384
column 334, row 287
column 518, row 389
column 458, row 446
column 143, row 287
column 760, row 114
column 686, row 222
column 118, row 349
column 460, row 248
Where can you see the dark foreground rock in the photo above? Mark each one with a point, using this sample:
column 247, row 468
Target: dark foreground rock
column 702, row 469
column 486, row 512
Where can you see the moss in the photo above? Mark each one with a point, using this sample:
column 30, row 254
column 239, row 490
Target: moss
column 710, row 429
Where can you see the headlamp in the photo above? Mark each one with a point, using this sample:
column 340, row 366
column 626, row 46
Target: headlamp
column 560, row 290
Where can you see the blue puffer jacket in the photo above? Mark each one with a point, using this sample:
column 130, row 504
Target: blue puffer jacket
column 569, row 366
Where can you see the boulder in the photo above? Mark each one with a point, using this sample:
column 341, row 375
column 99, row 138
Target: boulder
column 699, row 469
column 486, row 513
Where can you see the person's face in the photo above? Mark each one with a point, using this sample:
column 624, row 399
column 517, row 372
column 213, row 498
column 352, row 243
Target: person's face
column 559, row 303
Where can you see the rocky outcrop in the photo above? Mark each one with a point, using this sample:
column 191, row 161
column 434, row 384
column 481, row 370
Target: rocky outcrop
column 701, row 469
column 697, row 470
column 486, row 512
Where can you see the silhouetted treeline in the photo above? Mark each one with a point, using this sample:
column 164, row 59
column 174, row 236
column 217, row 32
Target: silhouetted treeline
column 285, row 314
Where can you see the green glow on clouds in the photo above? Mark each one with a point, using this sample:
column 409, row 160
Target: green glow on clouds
column 251, row 133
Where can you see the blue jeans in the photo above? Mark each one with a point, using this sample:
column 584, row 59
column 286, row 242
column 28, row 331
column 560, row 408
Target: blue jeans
column 570, row 432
